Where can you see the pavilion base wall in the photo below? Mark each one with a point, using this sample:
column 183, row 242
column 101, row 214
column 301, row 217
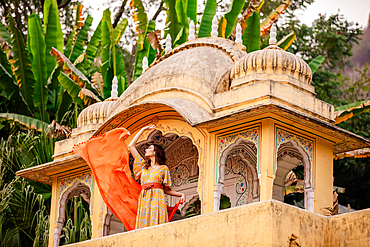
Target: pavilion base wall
column 268, row 223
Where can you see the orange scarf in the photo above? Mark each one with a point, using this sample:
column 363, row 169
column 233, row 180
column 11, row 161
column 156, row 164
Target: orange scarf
column 108, row 158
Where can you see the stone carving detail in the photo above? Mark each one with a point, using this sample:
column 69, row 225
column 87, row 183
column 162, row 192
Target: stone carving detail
column 288, row 149
column 180, row 175
column 65, row 183
column 250, row 135
column 242, row 161
column 181, row 154
column 304, row 148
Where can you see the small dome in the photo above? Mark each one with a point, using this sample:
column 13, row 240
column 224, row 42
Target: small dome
column 95, row 113
column 270, row 63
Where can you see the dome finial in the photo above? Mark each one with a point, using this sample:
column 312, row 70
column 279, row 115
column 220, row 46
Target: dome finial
column 191, row 31
column 272, row 40
column 214, row 32
column 168, row 44
column 114, row 92
column 145, row 64
column 238, row 39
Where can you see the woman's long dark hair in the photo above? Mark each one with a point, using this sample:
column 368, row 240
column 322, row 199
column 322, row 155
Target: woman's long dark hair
column 160, row 156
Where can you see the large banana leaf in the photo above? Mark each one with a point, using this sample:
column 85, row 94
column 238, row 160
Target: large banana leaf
column 79, row 45
column 315, row 63
column 93, row 47
column 5, row 63
column 222, row 24
column 121, row 71
column 4, row 33
column 53, row 32
column 192, row 10
column 145, row 52
column 72, row 88
column 74, row 73
column 38, row 46
column 344, row 112
column 250, row 9
column 181, row 8
column 54, row 87
column 273, row 17
column 140, row 17
column 21, row 64
column 251, row 35
column 286, row 41
column 78, row 23
column 31, row 123
column 232, row 16
column 9, row 88
column 172, row 23
column 141, row 20
column 206, row 23
column 107, row 42
column 119, row 30
column 64, row 102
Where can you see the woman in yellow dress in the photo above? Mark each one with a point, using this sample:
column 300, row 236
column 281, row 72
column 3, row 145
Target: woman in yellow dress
column 155, row 181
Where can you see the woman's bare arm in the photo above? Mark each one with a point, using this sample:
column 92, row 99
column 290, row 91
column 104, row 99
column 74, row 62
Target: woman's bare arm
column 132, row 144
column 169, row 191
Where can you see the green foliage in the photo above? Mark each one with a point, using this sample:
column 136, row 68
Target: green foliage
column 224, row 202
column 24, row 204
column 232, row 16
column 78, row 224
column 145, row 52
column 4, row 33
column 22, row 65
column 325, row 37
column 251, row 34
column 194, row 209
column 206, row 23
column 315, row 63
column 39, row 68
column 172, row 22
column 192, row 10
column 286, row 41
column 53, row 32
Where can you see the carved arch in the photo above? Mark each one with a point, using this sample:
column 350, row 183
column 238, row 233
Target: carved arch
column 305, row 160
column 249, row 158
column 286, row 148
column 77, row 189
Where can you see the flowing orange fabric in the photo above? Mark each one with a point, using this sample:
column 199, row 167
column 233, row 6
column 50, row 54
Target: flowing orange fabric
column 108, row 158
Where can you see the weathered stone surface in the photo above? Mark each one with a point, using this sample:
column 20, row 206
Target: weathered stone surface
column 269, row 223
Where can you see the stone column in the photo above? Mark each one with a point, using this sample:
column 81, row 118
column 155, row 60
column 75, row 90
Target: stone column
column 267, row 155
column 323, row 175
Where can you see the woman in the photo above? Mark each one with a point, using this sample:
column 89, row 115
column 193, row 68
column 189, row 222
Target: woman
column 155, row 181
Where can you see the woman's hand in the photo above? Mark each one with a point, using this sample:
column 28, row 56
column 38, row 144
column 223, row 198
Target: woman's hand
column 132, row 144
column 149, row 127
column 182, row 199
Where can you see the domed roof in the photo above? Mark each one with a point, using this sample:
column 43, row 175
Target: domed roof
column 95, row 113
column 270, row 63
column 193, row 69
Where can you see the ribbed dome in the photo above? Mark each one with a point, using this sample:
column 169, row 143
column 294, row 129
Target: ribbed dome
column 270, row 63
column 95, row 114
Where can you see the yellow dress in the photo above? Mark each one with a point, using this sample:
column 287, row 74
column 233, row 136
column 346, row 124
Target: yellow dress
column 152, row 208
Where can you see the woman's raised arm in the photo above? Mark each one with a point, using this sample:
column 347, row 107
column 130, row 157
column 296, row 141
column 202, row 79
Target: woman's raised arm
column 132, row 144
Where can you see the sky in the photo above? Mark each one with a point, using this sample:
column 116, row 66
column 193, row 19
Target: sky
column 353, row 10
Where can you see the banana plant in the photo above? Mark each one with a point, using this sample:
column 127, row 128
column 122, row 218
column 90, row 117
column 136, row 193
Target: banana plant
column 29, row 77
column 46, row 91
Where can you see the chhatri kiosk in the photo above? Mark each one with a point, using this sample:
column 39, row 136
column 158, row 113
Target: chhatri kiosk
column 232, row 124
